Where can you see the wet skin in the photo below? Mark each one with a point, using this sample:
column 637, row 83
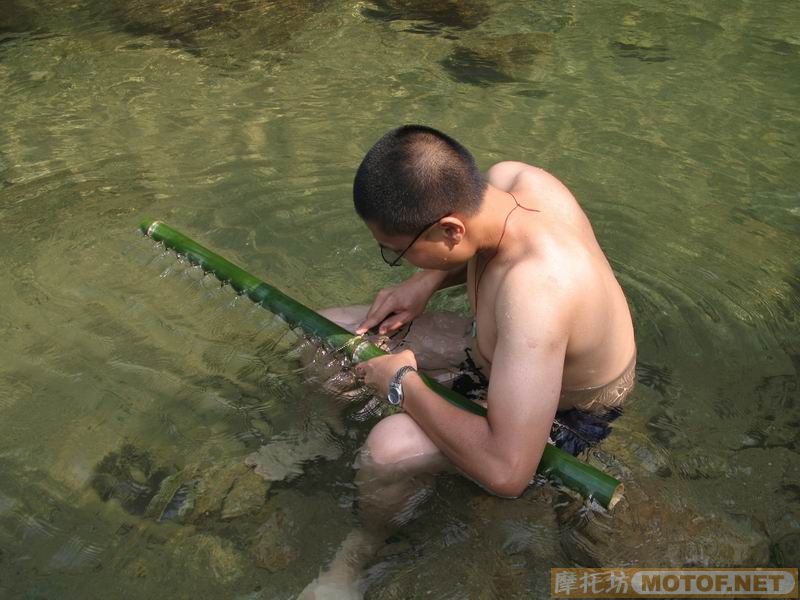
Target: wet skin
column 550, row 316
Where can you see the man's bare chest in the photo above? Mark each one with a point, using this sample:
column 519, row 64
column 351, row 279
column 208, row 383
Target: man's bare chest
column 482, row 284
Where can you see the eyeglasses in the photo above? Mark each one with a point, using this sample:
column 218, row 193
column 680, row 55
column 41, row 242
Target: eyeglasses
column 393, row 257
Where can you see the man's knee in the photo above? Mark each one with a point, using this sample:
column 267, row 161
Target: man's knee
column 398, row 438
column 348, row 317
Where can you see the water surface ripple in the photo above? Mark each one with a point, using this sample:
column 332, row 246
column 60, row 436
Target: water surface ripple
column 135, row 390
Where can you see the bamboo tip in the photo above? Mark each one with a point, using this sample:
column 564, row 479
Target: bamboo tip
column 148, row 226
column 616, row 496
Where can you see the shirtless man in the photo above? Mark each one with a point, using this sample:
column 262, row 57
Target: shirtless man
column 552, row 327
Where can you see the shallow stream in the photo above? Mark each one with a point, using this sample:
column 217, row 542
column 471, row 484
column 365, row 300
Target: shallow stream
column 124, row 372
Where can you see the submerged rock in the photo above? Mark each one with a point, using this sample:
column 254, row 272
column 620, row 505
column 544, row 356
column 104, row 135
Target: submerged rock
column 635, row 41
column 300, row 530
column 283, row 459
column 228, row 28
column 16, row 17
column 648, row 527
column 509, row 539
column 175, row 497
column 247, row 496
column 500, row 59
column 228, row 490
column 213, row 486
column 454, row 14
column 128, row 476
column 275, row 546
column 785, row 552
column 207, row 553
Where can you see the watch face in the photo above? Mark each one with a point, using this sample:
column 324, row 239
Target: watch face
column 394, row 395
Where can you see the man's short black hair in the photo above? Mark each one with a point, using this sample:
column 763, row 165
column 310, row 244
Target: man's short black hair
column 414, row 175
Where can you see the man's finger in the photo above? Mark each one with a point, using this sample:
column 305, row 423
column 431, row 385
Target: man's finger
column 376, row 314
column 370, row 320
column 393, row 323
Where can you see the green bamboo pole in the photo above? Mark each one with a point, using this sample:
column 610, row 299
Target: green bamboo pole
column 555, row 463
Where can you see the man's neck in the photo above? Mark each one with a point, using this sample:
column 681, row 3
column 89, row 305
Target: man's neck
column 490, row 222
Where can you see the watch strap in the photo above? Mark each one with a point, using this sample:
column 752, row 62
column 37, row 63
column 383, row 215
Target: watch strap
column 402, row 372
column 397, row 384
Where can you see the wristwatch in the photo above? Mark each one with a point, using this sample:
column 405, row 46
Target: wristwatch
column 395, row 396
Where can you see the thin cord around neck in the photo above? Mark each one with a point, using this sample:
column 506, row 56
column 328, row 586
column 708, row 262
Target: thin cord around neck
column 497, row 248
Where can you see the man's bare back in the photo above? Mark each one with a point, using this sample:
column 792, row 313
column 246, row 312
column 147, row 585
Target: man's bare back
column 555, row 246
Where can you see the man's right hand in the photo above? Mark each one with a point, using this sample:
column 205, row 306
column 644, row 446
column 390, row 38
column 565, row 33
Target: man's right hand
column 400, row 304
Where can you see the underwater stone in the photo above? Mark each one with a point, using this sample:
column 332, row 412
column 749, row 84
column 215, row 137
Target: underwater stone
column 640, row 44
column 215, row 555
column 197, row 492
column 175, row 498
column 14, row 17
column 284, row 458
column 786, row 551
column 214, row 484
column 275, row 543
column 224, row 29
column 500, row 59
column 698, row 463
column 455, row 14
column 247, row 496
column 656, row 528
column 128, row 476
column 298, row 527
column 508, row 540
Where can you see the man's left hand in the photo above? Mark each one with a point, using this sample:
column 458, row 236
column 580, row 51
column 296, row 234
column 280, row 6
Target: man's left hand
column 378, row 372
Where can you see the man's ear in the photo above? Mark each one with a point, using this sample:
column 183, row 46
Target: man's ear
column 452, row 230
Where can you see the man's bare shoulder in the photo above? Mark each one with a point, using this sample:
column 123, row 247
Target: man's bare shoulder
column 510, row 174
column 504, row 174
column 535, row 289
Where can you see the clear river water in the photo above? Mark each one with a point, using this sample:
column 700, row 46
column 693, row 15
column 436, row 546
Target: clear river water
column 136, row 394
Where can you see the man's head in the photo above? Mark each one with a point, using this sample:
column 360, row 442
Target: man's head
column 412, row 178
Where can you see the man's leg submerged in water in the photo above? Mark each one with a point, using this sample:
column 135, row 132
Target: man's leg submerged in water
column 398, row 462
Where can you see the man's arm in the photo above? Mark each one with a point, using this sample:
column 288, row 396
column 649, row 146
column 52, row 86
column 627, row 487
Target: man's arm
column 502, row 450
column 397, row 305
